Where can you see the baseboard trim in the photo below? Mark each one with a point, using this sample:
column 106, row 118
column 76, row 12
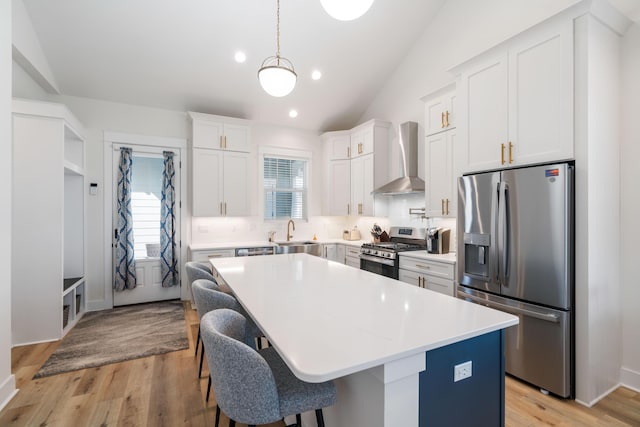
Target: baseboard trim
column 599, row 398
column 630, row 379
column 98, row 305
column 7, row 391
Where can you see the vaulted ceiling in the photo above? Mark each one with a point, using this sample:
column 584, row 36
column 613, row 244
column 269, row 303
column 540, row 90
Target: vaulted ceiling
column 180, row 54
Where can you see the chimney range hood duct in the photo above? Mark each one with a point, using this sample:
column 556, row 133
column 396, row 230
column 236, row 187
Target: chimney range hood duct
column 409, row 183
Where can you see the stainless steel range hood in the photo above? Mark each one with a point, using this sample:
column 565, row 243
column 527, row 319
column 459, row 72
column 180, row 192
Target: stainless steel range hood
column 409, row 183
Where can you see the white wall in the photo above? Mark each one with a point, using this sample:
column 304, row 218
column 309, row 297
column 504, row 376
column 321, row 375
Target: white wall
column 630, row 207
column 7, row 380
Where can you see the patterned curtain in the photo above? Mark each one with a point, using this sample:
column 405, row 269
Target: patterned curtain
column 168, row 253
column 125, row 273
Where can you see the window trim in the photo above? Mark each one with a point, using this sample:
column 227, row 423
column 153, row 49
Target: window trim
column 290, row 154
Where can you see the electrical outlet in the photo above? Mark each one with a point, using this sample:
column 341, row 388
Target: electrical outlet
column 462, row 371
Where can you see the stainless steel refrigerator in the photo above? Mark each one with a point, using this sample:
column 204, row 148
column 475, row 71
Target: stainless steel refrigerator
column 515, row 254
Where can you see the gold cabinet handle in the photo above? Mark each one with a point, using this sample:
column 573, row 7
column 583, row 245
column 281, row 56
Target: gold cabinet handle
column 348, row 152
column 447, row 117
column 225, row 141
column 220, row 141
column 424, row 267
column 225, row 207
column 510, row 152
column 220, row 208
column 442, row 206
column 502, row 153
column 447, row 206
column 359, row 208
column 442, row 119
column 348, row 209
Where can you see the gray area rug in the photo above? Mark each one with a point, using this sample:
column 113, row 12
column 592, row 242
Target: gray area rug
column 123, row 333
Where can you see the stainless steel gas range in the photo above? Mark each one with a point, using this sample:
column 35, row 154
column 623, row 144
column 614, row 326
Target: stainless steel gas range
column 382, row 258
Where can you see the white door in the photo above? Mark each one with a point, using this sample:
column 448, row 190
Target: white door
column 146, row 185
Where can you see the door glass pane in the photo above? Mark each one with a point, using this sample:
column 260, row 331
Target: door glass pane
column 146, row 186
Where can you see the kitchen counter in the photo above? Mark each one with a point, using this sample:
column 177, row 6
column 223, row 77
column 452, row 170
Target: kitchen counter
column 263, row 243
column 449, row 258
column 330, row 321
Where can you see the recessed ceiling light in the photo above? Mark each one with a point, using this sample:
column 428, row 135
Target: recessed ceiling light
column 293, row 114
column 316, row 75
column 240, row 57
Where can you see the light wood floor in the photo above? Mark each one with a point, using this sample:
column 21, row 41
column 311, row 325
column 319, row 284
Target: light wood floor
column 164, row 391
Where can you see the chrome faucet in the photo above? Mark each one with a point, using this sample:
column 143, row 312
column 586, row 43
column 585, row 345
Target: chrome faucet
column 289, row 235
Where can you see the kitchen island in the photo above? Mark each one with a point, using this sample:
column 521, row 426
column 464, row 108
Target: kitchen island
column 370, row 333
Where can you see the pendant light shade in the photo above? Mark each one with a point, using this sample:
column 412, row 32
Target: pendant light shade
column 346, row 10
column 276, row 74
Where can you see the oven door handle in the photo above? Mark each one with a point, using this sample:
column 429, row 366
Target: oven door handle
column 378, row 260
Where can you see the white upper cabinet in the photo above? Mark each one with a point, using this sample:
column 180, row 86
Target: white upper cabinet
column 516, row 101
column 220, row 133
column 339, row 145
column 440, row 111
column 441, row 189
column 339, row 197
column 219, row 183
column 362, row 142
column 351, row 180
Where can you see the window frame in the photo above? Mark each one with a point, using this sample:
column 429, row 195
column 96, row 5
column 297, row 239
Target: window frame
column 288, row 154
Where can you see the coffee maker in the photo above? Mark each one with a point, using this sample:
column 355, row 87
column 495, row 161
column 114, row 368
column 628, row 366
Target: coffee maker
column 438, row 240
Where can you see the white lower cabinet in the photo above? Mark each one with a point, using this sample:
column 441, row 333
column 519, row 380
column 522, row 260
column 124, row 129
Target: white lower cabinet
column 206, row 255
column 434, row 275
column 352, row 256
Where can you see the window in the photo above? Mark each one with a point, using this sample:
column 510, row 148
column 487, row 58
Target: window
column 146, row 192
column 285, row 188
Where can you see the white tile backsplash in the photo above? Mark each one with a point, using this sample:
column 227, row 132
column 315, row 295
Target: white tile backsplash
column 239, row 229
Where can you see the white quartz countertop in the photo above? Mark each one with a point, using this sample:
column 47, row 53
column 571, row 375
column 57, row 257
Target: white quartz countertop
column 263, row 243
column 328, row 320
column 230, row 245
column 449, row 258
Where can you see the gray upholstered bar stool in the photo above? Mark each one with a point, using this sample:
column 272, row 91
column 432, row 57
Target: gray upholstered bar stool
column 256, row 387
column 196, row 271
column 207, row 298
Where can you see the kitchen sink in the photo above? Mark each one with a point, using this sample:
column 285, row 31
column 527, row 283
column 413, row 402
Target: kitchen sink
column 307, row 247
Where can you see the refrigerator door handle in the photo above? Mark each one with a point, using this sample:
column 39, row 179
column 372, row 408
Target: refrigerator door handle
column 509, row 309
column 501, row 233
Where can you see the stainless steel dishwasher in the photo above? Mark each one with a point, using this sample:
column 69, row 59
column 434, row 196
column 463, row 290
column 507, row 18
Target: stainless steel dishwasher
column 263, row 250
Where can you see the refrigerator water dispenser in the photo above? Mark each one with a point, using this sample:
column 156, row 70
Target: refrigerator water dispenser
column 476, row 254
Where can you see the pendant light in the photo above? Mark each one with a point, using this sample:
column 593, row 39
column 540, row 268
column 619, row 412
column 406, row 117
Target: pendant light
column 346, row 10
column 276, row 74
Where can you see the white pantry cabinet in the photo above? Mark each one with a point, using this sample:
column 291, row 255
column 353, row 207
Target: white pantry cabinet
column 220, row 166
column 48, row 207
column 441, row 188
column 220, row 133
column 440, row 111
column 516, row 101
column 219, row 183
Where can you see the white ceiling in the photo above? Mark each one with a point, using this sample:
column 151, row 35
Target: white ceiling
column 179, row 54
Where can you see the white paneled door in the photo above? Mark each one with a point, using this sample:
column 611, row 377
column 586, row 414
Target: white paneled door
column 146, row 189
